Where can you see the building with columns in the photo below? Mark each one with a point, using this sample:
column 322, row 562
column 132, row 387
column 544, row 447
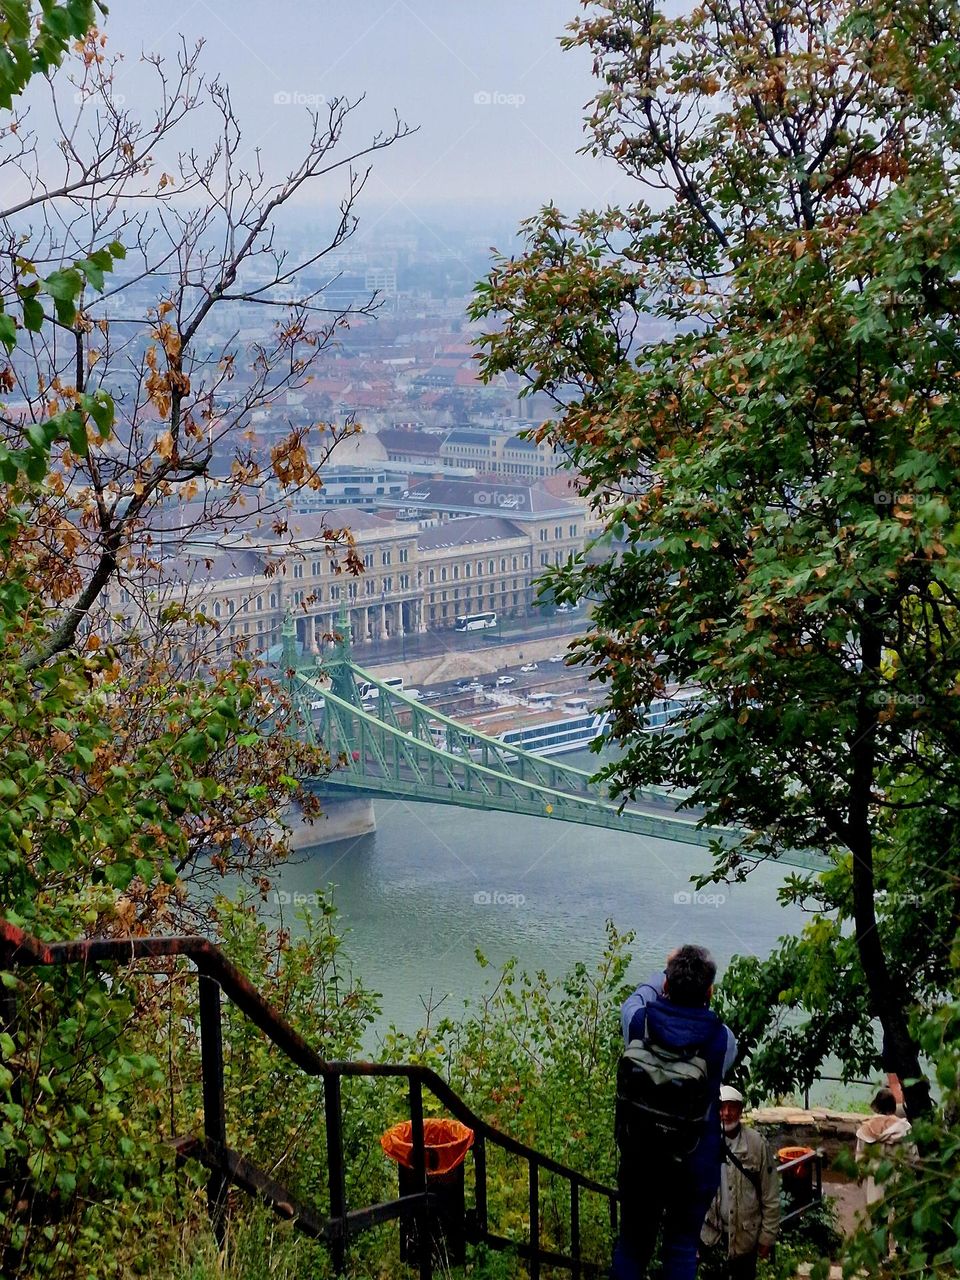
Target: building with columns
column 473, row 550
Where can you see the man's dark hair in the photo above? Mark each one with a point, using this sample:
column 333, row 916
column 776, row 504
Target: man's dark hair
column 885, row 1104
column 690, row 975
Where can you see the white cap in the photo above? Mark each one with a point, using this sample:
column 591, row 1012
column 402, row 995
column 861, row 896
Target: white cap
column 729, row 1094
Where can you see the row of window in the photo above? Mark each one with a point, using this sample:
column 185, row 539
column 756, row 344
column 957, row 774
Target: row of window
column 468, row 569
column 558, row 532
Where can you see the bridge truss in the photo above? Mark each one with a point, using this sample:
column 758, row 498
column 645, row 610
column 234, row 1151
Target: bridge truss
column 397, row 747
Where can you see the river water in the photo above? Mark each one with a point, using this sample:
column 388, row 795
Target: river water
column 436, row 883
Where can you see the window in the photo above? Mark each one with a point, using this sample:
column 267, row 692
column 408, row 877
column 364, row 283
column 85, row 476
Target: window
column 385, row 557
column 544, row 557
column 543, row 535
column 246, row 628
column 526, row 562
column 216, row 609
column 404, row 554
column 466, row 570
column 369, row 587
column 368, row 560
column 479, row 568
column 573, row 531
column 316, row 568
column 259, row 602
column 443, row 574
column 404, row 582
column 388, row 584
column 298, row 569
column 514, row 564
column 273, row 599
column 503, row 564
column 231, row 607
column 431, row 576
column 490, row 566
column 456, row 572
column 557, row 532
column 334, row 593
column 353, row 590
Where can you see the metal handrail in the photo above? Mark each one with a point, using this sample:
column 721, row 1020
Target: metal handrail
column 215, row 975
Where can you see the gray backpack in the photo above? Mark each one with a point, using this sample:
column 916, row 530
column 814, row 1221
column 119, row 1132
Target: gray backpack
column 663, row 1100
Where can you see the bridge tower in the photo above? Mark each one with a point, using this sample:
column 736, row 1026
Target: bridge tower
column 339, row 666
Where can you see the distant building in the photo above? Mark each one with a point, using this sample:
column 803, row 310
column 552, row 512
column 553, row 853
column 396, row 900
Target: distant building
column 471, row 548
column 495, row 452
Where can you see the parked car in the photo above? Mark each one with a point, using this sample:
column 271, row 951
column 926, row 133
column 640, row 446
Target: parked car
column 557, row 657
column 529, row 666
column 501, row 680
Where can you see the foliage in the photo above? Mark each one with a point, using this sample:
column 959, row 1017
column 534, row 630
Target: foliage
column 34, row 38
column 778, row 474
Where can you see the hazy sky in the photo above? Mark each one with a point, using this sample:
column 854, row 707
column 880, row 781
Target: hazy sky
column 499, row 104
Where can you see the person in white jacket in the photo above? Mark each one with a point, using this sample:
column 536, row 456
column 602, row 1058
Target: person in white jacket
column 879, row 1135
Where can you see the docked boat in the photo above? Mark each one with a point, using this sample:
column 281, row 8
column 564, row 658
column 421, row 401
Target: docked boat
column 541, row 730
column 571, row 732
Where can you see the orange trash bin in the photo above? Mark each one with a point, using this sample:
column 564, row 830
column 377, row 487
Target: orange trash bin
column 798, row 1181
column 445, row 1146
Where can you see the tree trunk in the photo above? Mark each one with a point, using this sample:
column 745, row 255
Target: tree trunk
column 886, row 998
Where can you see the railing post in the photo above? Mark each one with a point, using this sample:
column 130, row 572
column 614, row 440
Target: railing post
column 534, row 1268
column 214, row 1117
column 480, row 1183
column 420, row 1178
column 336, row 1175
column 575, row 1228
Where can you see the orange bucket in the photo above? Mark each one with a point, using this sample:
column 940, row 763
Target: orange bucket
column 445, row 1144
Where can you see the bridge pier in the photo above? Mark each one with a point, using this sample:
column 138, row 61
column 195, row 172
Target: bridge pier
column 342, row 819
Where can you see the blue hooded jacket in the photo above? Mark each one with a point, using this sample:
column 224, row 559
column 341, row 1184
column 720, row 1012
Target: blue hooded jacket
column 648, row 1011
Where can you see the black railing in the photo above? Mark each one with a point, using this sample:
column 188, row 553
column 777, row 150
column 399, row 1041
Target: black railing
column 217, row 975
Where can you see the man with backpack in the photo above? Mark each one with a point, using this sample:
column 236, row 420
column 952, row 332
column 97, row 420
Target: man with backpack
column 742, row 1223
column 667, row 1118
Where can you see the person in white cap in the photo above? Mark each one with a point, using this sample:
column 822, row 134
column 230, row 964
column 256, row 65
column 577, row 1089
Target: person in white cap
column 742, row 1222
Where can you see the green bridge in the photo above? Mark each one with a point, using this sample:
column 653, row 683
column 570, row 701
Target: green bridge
column 396, row 747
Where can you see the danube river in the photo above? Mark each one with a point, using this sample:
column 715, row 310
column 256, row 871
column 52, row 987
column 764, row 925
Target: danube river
column 434, row 884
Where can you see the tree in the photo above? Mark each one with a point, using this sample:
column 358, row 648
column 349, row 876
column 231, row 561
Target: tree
column 198, row 225
column 757, row 379
column 125, row 778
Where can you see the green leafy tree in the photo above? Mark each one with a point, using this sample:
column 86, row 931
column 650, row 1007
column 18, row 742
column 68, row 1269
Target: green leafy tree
column 779, row 472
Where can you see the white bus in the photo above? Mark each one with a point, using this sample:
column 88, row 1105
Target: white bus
column 475, row 621
column 370, row 691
